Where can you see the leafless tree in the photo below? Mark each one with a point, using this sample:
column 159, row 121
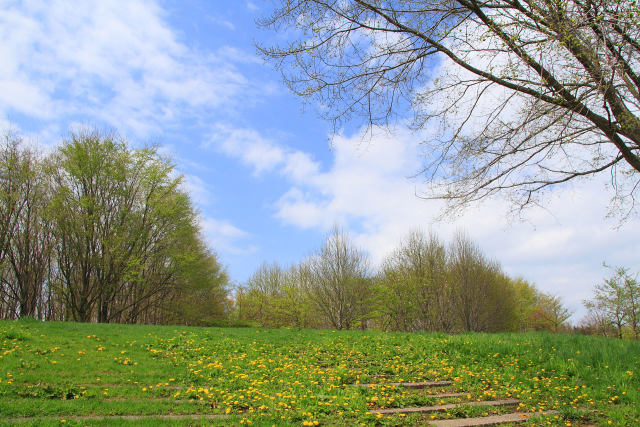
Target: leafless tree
column 530, row 93
column 338, row 284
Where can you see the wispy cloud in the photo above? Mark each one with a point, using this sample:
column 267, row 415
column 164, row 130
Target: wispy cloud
column 114, row 62
column 219, row 234
column 259, row 153
column 218, row 20
column 198, row 190
column 225, row 237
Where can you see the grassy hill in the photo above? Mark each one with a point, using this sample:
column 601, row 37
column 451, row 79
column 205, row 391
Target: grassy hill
column 73, row 373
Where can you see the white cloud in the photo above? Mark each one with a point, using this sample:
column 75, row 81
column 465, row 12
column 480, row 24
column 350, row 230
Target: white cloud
column 367, row 188
column 113, row 62
column 198, row 189
column 238, row 56
column 221, row 228
column 25, row 98
column 225, row 237
column 261, row 154
column 249, row 146
column 305, row 210
column 219, row 234
column 222, row 22
column 368, row 180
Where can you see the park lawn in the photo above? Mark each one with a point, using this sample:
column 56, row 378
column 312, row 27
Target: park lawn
column 78, row 374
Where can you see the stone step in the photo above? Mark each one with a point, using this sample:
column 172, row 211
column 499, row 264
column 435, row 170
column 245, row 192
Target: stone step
column 115, row 418
column 439, row 408
column 407, row 385
column 492, row 420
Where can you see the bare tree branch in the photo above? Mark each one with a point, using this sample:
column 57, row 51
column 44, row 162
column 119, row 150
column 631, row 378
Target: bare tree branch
column 531, row 93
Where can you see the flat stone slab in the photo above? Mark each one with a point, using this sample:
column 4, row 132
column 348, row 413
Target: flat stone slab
column 120, row 417
column 493, row 420
column 408, row 385
column 440, row 408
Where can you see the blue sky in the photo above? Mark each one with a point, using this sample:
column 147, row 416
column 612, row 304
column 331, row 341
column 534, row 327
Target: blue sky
column 185, row 75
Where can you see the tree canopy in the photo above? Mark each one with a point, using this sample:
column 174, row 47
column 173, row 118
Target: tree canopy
column 98, row 231
column 528, row 93
column 616, row 304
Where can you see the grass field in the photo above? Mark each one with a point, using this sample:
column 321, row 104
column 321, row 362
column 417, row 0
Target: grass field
column 53, row 373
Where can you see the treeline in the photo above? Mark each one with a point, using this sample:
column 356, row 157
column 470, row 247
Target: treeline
column 424, row 285
column 98, row 231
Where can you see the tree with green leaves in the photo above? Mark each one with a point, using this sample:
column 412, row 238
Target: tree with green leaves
column 25, row 234
column 275, row 297
column 11, row 182
column 125, row 231
column 98, row 231
column 617, row 300
column 12, row 178
column 482, row 297
column 525, row 299
column 415, row 290
column 199, row 294
column 89, row 185
column 550, row 314
column 530, row 94
column 261, row 297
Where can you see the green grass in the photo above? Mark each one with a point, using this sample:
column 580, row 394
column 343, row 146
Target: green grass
column 51, row 372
